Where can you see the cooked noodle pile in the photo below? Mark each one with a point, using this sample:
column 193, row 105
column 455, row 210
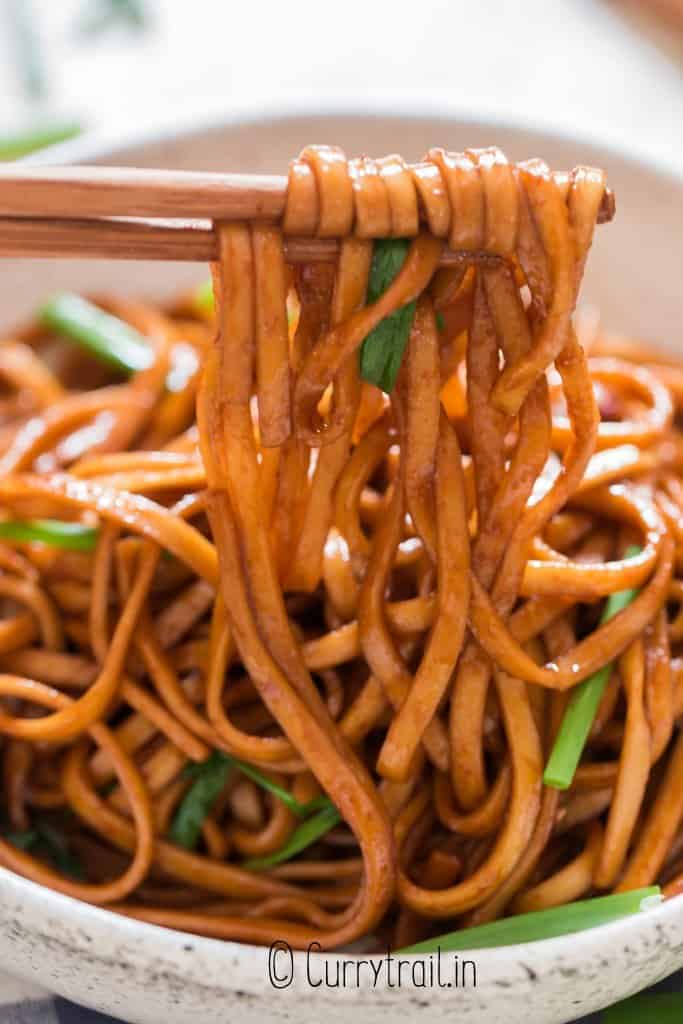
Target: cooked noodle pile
column 376, row 602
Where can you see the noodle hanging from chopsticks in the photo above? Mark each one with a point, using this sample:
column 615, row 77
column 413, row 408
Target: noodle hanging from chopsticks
column 284, row 654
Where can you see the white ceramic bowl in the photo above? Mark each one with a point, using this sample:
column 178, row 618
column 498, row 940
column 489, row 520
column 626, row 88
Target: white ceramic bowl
column 142, row 973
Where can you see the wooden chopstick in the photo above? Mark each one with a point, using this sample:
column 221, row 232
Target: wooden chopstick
column 132, row 213
column 84, row 192
column 183, row 241
column 44, row 237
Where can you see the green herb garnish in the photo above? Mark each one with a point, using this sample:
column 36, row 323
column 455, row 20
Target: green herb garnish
column 22, row 840
column 303, row 836
column 58, row 850
column 583, row 705
column 661, row 1008
column 382, row 350
column 54, row 532
column 203, row 297
column 210, row 778
column 207, row 777
column 102, row 335
column 205, row 302
column 46, row 839
column 541, row 924
column 21, row 143
column 294, row 805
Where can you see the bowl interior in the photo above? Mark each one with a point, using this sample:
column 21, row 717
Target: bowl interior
column 634, row 278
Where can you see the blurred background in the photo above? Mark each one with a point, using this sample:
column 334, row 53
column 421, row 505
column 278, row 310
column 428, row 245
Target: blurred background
column 608, row 70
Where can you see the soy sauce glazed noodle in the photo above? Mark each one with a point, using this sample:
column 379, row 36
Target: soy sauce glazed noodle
column 364, row 611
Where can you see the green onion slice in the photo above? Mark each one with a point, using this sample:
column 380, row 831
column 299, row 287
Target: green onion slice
column 58, row 850
column 14, row 146
column 204, row 300
column 583, row 705
column 46, row 838
column 303, row 836
column 210, row 778
column 203, row 297
column 101, row 334
column 543, row 924
column 53, row 532
column 382, row 351
column 294, row 805
column 22, row 840
column 661, row 1008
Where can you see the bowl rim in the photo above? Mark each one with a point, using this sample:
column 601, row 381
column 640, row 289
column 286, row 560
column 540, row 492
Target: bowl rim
column 645, row 925
column 211, row 120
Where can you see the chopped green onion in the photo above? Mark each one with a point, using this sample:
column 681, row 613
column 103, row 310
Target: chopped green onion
column 71, row 536
column 15, row 145
column 382, row 350
column 210, row 778
column 47, row 839
column 303, row 836
column 203, row 297
column 542, row 924
column 583, row 705
column 294, row 805
column 22, row 840
column 440, row 322
column 205, row 302
column 661, row 1008
column 58, row 851
column 99, row 333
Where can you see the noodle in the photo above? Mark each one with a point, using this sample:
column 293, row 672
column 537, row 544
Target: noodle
column 293, row 668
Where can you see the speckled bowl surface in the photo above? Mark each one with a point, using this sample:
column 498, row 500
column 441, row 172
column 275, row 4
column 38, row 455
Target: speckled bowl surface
column 141, row 973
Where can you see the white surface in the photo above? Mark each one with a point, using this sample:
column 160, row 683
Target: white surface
column 570, row 65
